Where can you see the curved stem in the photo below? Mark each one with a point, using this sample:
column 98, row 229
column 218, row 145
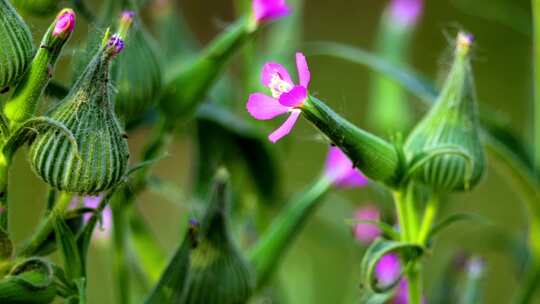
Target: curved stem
column 46, row 227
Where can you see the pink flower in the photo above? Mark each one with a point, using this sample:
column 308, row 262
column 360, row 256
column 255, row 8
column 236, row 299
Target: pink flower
column 340, row 169
column 65, row 22
column 406, row 12
column 365, row 232
column 286, row 96
column 103, row 231
column 268, row 10
column 388, row 269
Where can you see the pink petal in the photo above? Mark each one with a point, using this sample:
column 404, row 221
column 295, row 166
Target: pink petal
column 65, row 22
column 340, row 169
column 355, row 178
column 294, row 98
column 367, row 233
column 303, row 71
column 285, row 128
column 272, row 68
column 388, row 269
column 268, row 10
column 264, row 107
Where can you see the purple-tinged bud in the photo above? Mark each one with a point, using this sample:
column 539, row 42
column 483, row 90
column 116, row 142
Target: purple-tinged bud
column 126, row 20
column 463, row 42
column 268, row 10
column 65, row 23
column 406, row 12
column 115, row 45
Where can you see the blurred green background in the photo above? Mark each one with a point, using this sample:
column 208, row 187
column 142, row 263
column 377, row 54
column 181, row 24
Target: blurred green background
column 323, row 265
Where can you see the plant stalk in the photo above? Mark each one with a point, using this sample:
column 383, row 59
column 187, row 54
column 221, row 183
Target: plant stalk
column 4, row 206
column 46, row 226
column 535, row 4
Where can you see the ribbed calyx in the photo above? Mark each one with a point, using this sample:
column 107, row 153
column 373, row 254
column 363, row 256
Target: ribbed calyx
column 87, row 112
column 217, row 273
column 16, row 45
column 137, row 75
column 376, row 158
column 444, row 149
column 37, row 7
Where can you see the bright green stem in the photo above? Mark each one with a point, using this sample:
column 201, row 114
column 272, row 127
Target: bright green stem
column 414, row 283
column 376, row 158
column 532, row 276
column 273, row 244
column 412, row 212
column 186, row 86
column 430, row 214
column 4, row 207
column 536, row 20
column 400, row 202
column 46, row 226
column 27, row 95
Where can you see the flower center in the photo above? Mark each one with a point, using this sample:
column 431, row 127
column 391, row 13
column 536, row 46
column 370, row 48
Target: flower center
column 279, row 86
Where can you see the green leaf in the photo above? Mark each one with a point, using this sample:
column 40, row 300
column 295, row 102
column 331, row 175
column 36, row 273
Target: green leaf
column 67, row 245
column 30, row 281
column 375, row 252
column 439, row 227
column 385, row 227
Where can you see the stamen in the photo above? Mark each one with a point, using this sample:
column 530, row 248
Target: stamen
column 279, row 86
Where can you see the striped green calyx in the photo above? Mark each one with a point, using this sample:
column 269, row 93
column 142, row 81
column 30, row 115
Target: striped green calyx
column 16, row 41
column 217, row 273
column 376, row 158
column 137, row 75
column 37, row 7
column 88, row 113
column 444, row 149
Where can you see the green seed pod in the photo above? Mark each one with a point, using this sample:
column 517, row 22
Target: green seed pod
column 37, row 7
column 217, row 273
column 137, row 75
column 16, row 45
column 444, row 148
column 88, row 113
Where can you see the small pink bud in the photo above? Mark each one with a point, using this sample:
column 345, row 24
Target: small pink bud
column 65, row 22
column 406, row 12
column 268, row 10
column 366, row 232
column 127, row 17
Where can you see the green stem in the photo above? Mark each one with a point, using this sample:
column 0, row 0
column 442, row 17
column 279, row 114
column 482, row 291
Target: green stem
column 275, row 241
column 536, row 20
column 121, row 263
column 401, row 214
column 46, row 227
column 429, row 216
column 412, row 212
column 414, row 283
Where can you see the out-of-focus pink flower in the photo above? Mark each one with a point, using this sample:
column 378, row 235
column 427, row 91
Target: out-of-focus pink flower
column 286, row 96
column 388, row 269
column 401, row 295
column 65, row 22
column 268, row 10
column 340, row 169
column 406, row 12
column 366, row 232
column 102, row 231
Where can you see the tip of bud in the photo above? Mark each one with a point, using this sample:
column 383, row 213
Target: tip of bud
column 268, row 10
column 115, row 45
column 65, row 22
column 127, row 16
column 464, row 41
column 406, row 12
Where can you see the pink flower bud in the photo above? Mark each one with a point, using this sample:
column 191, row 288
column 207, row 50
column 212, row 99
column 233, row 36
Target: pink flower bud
column 268, row 10
column 65, row 22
